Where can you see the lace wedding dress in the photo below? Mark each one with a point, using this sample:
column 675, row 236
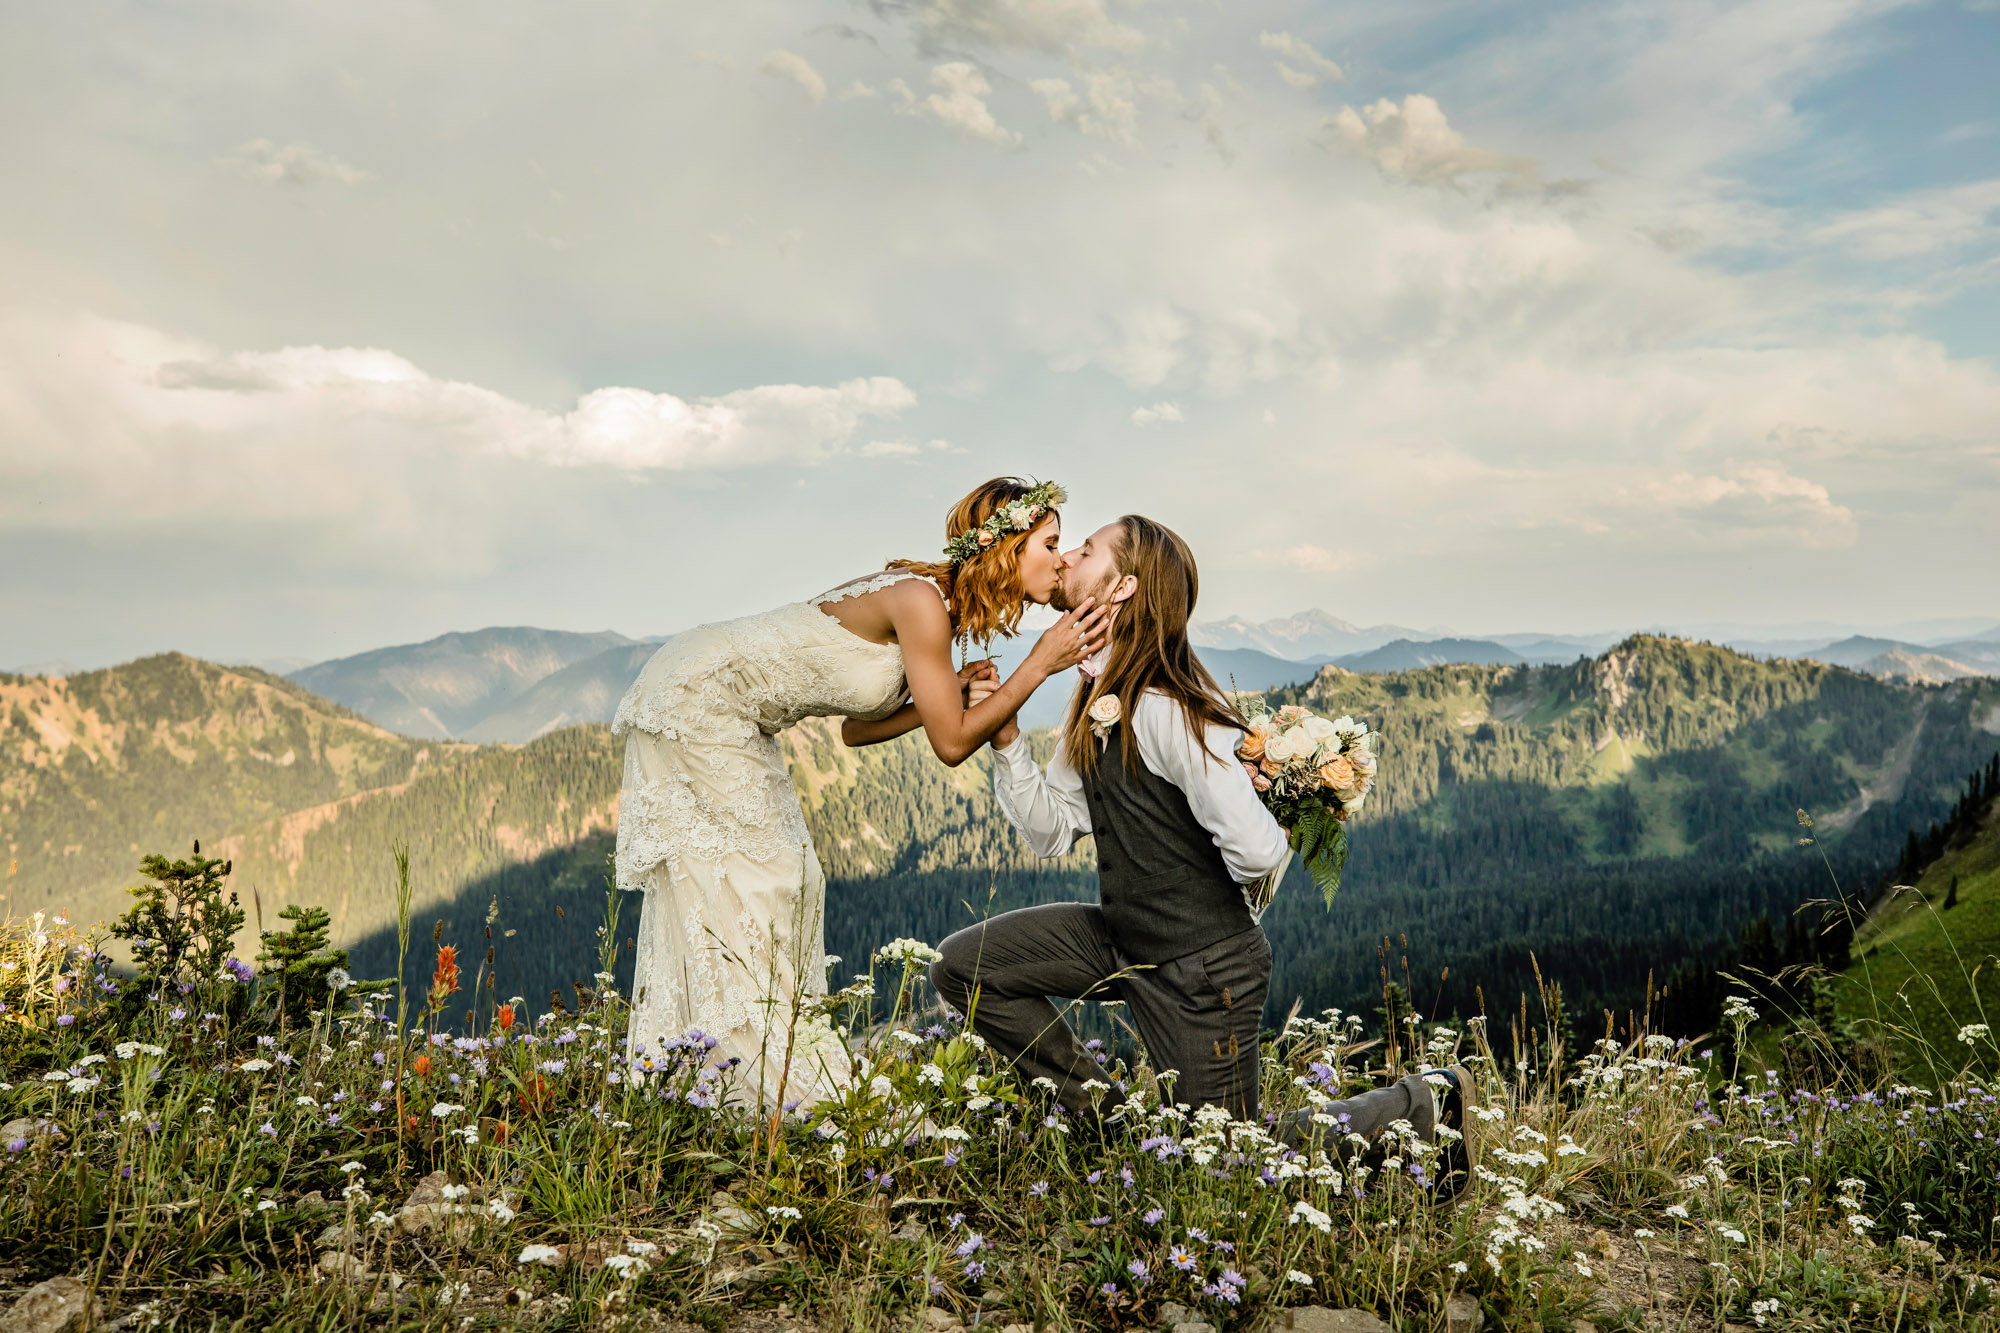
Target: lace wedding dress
column 710, row 831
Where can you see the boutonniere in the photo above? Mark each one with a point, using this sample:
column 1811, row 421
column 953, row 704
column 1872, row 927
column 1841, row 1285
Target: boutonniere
column 1104, row 714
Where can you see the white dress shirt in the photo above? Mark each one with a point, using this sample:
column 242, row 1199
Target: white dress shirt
column 1051, row 813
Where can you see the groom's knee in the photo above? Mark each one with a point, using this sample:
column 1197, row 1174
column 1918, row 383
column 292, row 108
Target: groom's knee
column 952, row 973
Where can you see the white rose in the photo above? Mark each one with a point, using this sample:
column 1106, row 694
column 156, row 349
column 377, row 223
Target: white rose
column 1364, row 762
column 1319, row 729
column 1105, row 710
column 1349, row 729
column 1285, row 746
column 1021, row 516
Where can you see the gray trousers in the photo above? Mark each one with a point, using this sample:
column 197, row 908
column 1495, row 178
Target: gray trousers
column 1198, row 1015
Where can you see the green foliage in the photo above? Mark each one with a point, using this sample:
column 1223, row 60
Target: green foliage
column 302, row 973
column 181, row 928
column 1321, row 842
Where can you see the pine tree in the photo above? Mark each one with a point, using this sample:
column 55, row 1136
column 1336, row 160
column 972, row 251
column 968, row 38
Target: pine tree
column 301, row 967
column 1951, row 894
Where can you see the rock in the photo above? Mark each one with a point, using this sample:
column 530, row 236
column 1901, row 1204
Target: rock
column 1463, row 1315
column 1585, row 1326
column 1195, row 1326
column 941, row 1321
column 1320, row 1319
column 725, row 1212
column 1171, row 1313
column 1017, row 1328
column 913, row 1232
column 25, row 1128
column 60, row 1305
column 316, row 1203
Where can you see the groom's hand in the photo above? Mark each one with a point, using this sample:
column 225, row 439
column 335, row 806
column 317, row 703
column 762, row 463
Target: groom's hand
column 980, row 691
column 974, row 673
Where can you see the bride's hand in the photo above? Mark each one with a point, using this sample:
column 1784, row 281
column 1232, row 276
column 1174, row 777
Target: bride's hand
column 1081, row 632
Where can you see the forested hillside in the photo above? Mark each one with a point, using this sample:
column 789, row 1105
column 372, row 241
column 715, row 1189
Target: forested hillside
column 1615, row 817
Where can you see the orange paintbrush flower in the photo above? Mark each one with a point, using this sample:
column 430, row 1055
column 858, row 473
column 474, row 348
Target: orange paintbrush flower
column 444, row 981
column 504, row 1018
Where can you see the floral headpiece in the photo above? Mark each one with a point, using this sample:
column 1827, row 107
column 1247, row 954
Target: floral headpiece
column 1018, row 516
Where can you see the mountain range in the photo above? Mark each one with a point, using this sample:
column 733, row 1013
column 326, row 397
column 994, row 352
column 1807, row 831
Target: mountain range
column 1600, row 819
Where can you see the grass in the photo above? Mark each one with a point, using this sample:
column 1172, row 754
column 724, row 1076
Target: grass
column 1914, row 965
column 205, row 1168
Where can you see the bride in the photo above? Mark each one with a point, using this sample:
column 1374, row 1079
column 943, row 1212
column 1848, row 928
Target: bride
column 709, row 827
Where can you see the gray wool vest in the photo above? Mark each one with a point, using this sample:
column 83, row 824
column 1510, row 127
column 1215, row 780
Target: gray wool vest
column 1161, row 882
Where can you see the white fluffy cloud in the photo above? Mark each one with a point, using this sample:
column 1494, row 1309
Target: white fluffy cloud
column 1146, row 416
column 1105, row 107
column 268, row 163
column 1415, row 141
column 791, row 65
column 960, row 102
column 101, row 422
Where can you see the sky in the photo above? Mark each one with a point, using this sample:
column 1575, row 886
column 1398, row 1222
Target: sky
column 330, row 325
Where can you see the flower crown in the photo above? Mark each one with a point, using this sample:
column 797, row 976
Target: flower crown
column 1018, row 516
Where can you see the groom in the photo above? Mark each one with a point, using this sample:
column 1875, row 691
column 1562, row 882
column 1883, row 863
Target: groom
column 1146, row 764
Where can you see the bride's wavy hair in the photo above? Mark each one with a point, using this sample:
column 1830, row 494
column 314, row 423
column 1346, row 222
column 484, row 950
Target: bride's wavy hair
column 983, row 592
column 1149, row 645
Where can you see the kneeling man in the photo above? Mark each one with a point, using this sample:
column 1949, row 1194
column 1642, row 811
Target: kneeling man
column 1146, row 765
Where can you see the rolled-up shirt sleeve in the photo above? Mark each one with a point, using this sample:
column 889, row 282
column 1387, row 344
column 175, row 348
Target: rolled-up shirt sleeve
column 1047, row 809
column 1218, row 791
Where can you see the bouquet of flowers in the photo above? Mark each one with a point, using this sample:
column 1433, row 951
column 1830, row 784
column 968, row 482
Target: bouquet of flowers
column 1311, row 774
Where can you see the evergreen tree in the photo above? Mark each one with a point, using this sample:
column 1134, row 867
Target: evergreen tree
column 1951, row 894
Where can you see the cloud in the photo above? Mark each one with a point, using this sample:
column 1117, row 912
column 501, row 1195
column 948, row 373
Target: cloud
column 960, row 102
column 1918, row 223
column 1307, row 67
column 1105, row 109
column 1415, row 142
column 1757, row 499
column 1053, row 27
column 294, row 164
column 1146, row 416
column 104, row 424
column 789, row 65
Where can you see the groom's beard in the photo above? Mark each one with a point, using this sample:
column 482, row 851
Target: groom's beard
column 1062, row 600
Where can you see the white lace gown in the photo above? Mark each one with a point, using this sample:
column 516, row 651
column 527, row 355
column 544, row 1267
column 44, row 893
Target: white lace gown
column 730, row 936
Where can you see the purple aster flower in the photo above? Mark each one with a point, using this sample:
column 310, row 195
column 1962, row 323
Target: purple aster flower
column 1153, row 1216
column 64, row 1020
column 1104, row 1221
column 1181, row 1259
column 17, row 1145
column 975, row 1269
column 1109, row 1291
column 1040, row 1189
column 268, row 1128
column 971, row 1245
column 1140, row 1273
column 1093, row 1178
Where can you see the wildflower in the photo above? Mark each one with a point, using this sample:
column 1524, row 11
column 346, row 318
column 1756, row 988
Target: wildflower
column 932, row 1075
column 452, row 1193
column 1737, row 1009
column 267, row 1128
column 266, row 1205
column 1294, row 1275
column 1154, row 1216
column 1731, row 1233
column 1676, row 1210
column 906, row 952
column 627, row 1266
column 971, row 1245
column 539, row 1254
column 338, row 979
column 1974, row 1032
column 1040, row 1189
column 783, row 1211
column 1140, row 1273
column 645, row 1249
column 257, row 1066
column 503, row 1018
column 1181, row 1259
column 1313, row 1217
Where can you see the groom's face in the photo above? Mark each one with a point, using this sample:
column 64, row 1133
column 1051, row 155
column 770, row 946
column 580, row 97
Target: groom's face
column 1091, row 570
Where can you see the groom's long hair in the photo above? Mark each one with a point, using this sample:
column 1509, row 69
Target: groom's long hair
column 983, row 593
column 1149, row 645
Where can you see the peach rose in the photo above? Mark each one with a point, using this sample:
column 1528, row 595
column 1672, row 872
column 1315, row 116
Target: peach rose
column 1252, row 747
column 985, row 537
column 1338, row 774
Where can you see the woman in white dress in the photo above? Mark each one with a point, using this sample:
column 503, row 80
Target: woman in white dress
column 710, row 830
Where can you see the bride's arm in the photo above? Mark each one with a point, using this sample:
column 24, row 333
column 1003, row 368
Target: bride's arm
column 856, row 733
column 923, row 628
